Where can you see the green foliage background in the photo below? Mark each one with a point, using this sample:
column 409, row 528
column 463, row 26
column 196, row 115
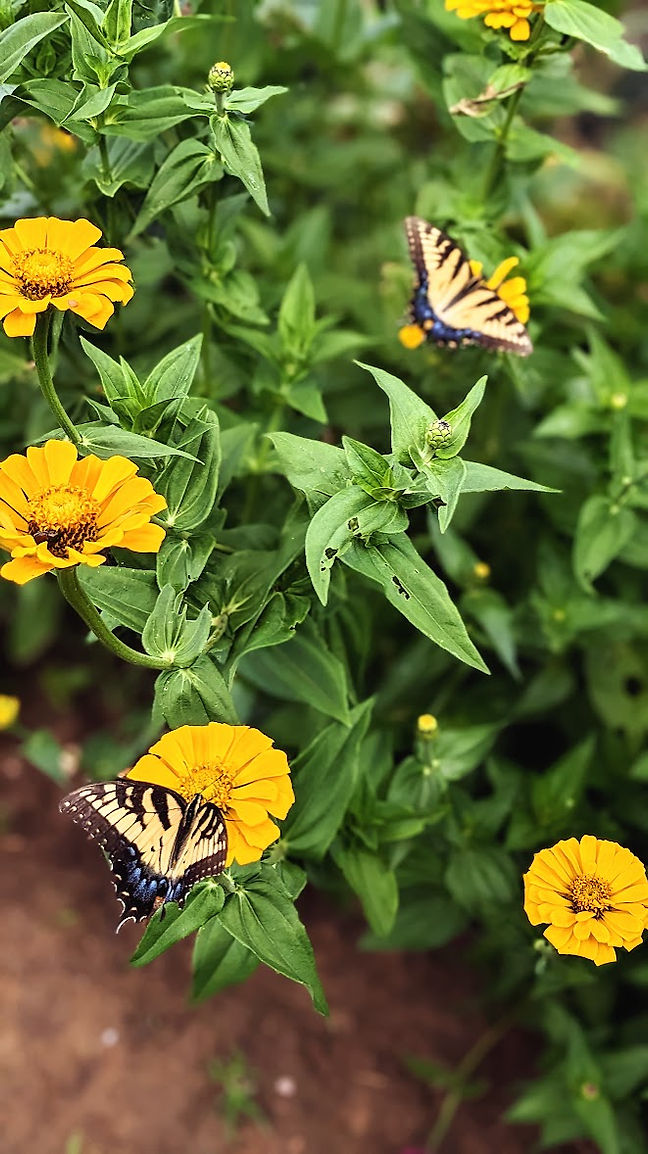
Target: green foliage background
column 320, row 575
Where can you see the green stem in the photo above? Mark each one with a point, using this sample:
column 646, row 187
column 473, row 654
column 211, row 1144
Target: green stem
column 105, row 158
column 464, row 1071
column 497, row 162
column 41, row 360
column 76, row 597
column 253, row 485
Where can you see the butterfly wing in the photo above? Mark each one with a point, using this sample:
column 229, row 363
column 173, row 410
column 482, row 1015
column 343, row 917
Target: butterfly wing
column 201, row 849
column 450, row 304
column 137, row 825
column 157, row 844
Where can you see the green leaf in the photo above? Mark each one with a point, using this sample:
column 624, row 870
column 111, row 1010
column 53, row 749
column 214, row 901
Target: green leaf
column 167, row 633
column 325, row 775
column 602, row 531
column 425, row 921
column 173, row 376
column 43, row 750
column 460, row 750
column 445, row 481
column 219, row 961
column 118, row 380
column 182, row 559
column 330, row 533
column 240, row 156
column 194, row 696
column 496, row 619
column 555, row 794
column 480, row 478
column 595, row 27
column 301, row 670
column 188, row 167
column 147, row 113
column 459, row 419
column 311, row 466
column 249, row 99
column 373, row 882
column 410, row 416
column 262, row 918
column 96, row 103
column 190, row 486
column 296, row 324
column 117, row 21
column 482, row 879
column 417, row 593
column 128, row 596
column 204, row 903
column 104, row 441
column 19, row 39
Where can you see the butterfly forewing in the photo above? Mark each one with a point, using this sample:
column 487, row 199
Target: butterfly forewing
column 157, row 844
column 450, row 304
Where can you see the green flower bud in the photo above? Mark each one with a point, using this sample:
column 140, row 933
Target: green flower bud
column 438, row 434
column 221, row 77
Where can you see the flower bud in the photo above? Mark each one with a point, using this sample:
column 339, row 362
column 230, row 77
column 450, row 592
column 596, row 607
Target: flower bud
column 221, row 77
column 481, row 570
column 438, row 434
column 427, row 725
column 9, row 710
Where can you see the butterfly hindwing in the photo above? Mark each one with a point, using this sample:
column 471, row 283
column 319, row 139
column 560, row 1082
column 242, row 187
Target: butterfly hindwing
column 451, row 305
column 157, row 844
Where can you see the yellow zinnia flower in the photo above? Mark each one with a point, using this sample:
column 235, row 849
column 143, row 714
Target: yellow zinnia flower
column 593, row 894
column 9, row 710
column 234, row 767
column 57, row 511
column 512, row 292
column 46, row 261
column 510, row 14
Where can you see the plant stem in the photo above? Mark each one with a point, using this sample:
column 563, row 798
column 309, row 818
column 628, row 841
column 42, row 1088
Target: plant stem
column 105, row 158
column 41, row 360
column 76, row 597
column 466, row 1068
column 253, row 484
column 495, row 167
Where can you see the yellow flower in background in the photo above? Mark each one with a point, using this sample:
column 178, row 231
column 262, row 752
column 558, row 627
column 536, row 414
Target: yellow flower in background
column 234, row 767
column 50, row 141
column 46, row 261
column 593, row 894
column 57, row 511
column 9, row 710
column 508, row 14
column 512, row 292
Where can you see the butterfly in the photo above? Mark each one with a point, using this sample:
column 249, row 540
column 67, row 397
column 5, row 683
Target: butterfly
column 158, row 845
column 451, row 306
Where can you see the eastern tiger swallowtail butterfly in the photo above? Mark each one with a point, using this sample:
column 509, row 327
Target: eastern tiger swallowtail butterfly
column 158, row 845
column 451, row 306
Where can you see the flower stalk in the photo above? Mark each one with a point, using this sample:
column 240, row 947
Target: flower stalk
column 39, row 343
column 76, row 597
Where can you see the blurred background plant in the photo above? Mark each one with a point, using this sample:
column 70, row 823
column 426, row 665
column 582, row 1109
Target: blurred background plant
column 261, row 285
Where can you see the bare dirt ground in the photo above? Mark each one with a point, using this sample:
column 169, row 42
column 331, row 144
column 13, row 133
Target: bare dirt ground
column 99, row 1058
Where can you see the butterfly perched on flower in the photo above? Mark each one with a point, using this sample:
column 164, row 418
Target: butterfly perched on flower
column 453, row 305
column 157, row 843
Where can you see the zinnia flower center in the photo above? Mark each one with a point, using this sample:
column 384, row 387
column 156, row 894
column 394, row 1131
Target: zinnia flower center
column 64, row 517
column 213, row 782
column 590, row 893
column 41, row 272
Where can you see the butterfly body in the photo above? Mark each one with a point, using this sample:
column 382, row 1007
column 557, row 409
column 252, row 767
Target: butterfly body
column 158, row 845
column 451, row 306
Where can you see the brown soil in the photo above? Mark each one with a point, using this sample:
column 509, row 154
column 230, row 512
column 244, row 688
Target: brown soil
column 98, row 1058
